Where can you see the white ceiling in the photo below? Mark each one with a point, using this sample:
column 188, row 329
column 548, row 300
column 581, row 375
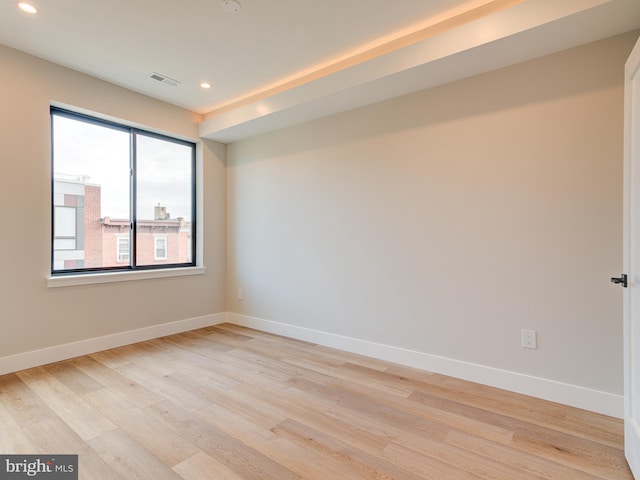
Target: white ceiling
column 280, row 62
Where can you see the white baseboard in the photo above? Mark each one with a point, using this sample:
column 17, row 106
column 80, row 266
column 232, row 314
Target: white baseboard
column 564, row 393
column 34, row 358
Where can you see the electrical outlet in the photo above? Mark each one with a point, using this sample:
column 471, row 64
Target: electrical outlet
column 240, row 294
column 529, row 339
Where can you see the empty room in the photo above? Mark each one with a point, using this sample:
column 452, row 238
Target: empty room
column 320, row 240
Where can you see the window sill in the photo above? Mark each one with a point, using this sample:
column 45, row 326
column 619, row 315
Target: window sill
column 110, row 277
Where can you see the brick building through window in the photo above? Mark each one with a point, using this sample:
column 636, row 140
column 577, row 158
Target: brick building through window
column 85, row 239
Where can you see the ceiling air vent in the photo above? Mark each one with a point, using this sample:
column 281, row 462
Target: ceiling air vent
column 158, row 77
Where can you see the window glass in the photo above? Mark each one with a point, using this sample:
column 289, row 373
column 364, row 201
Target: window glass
column 164, row 175
column 161, row 248
column 101, row 173
column 64, row 244
column 123, row 249
column 65, row 221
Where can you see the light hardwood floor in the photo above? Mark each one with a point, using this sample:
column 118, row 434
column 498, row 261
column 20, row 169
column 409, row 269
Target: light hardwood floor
column 227, row 402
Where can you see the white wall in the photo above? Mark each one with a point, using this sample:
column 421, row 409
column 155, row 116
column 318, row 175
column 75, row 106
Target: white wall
column 441, row 223
column 447, row 221
column 34, row 317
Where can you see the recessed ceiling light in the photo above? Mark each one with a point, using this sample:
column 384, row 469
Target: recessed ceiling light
column 230, row 6
column 27, row 8
column 205, row 85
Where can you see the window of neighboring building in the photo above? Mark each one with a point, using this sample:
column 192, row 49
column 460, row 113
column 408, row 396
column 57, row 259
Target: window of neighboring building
column 160, row 248
column 64, row 222
column 121, row 196
column 123, row 250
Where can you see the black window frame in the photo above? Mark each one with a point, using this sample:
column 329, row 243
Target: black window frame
column 133, row 133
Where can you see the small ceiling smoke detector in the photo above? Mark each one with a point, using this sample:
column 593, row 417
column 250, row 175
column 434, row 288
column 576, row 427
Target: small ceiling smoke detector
column 158, row 77
column 230, row 6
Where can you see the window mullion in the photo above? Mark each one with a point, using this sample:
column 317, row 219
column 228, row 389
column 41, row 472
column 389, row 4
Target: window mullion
column 133, row 202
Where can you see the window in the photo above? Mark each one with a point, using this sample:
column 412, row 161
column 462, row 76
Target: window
column 121, row 197
column 123, row 249
column 64, row 221
column 160, row 248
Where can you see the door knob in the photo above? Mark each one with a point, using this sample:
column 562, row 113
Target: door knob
column 622, row 280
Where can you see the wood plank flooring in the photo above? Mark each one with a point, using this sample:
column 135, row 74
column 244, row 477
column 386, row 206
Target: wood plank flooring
column 227, row 402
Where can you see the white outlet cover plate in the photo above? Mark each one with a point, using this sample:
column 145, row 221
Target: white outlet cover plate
column 529, row 339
